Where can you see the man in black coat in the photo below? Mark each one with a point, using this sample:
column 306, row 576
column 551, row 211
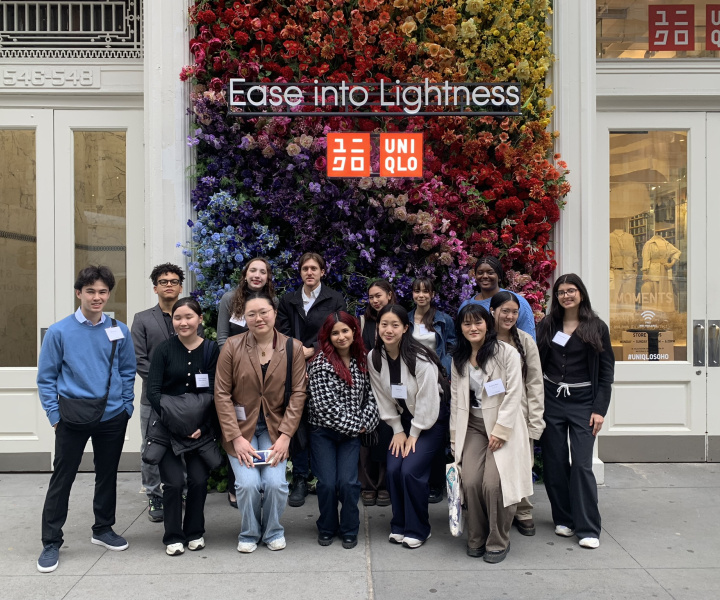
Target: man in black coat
column 301, row 314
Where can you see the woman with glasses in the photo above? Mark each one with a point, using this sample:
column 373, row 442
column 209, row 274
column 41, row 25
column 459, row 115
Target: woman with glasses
column 488, row 433
column 504, row 308
column 489, row 276
column 250, row 386
column 578, row 366
column 256, row 277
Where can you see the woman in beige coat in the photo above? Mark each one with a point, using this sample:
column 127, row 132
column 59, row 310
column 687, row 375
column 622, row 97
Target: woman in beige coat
column 505, row 307
column 488, row 433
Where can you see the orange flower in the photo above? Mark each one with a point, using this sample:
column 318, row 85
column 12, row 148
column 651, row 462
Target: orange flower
column 408, row 26
column 433, row 49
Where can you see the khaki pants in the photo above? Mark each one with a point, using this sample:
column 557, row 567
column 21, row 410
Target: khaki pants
column 524, row 507
column 488, row 520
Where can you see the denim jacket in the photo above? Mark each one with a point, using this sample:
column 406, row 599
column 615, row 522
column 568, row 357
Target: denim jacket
column 444, row 337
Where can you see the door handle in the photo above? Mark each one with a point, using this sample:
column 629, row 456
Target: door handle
column 713, row 343
column 698, row 343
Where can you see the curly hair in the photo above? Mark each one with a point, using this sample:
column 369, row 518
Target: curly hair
column 167, row 268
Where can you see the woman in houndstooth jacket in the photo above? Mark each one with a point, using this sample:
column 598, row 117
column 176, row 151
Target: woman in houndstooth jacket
column 341, row 407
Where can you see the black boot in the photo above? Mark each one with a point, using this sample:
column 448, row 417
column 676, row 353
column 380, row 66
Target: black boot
column 300, row 490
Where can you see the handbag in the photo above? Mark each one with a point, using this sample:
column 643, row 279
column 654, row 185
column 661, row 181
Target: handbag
column 454, row 495
column 83, row 414
column 299, row 441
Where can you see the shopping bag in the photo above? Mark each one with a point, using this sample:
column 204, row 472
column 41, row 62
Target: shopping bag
column 454, row 495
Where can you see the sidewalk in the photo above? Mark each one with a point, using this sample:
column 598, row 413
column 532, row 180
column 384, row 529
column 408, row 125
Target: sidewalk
column 660, row 540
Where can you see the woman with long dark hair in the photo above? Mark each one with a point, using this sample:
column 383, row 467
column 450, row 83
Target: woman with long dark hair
column 489, row 277
column 404, row 377
column 183, row 365
column 488, row 432
column 341, row 406
column 373, row 457
column 579, row 369
column 256, row 276
column 504, row 308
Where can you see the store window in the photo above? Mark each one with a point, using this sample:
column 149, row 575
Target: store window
column 18, row 249
column 100, row 209
column 648, row 245
column 659, row 29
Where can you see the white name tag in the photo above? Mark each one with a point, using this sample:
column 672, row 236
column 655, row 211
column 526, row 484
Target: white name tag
column 240, row 412
column 494, row 387
column 240, row 322
column 114, row 333
column 202, row 380
column 399, row 392
column 561, row 338
column 422, row 330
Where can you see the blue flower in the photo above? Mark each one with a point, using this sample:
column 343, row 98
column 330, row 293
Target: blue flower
column 209, row 252
column 239, row 258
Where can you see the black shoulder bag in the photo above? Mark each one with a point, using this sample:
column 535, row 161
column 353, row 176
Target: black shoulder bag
column 85, row 413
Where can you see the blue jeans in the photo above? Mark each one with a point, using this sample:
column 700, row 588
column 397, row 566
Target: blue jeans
column 261, row 494
column 335, row 463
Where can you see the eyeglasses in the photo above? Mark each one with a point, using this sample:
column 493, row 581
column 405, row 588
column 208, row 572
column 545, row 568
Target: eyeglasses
column 263, row 314
column 168, row 282
column 569, row 292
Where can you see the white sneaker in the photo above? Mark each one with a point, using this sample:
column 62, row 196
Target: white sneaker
column 396, row 538
column 591, row 543
column 413, row 543
column 197, row 544
column 174, row 549
column 564, row 531
column 277, row 544
column 246, row 547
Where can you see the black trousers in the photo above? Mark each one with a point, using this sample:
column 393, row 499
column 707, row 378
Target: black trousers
column 571, row 489
column 108, row 438
column 172, row 475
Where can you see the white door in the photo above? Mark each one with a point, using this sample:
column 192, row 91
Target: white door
column 655, row 219
column 713, row 283
column 71, row 195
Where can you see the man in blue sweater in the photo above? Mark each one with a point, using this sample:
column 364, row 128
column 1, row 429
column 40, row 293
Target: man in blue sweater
column 74, row 365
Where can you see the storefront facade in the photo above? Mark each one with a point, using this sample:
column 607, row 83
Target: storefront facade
column 94, row 130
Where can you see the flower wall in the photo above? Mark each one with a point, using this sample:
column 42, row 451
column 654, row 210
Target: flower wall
column 490, row 186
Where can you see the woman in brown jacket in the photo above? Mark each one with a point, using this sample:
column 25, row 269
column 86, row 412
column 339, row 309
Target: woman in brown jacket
column 249, row 397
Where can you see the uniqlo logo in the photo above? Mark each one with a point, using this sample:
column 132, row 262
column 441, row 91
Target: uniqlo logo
column 712, row 27
column 401, row 154
column 672, row 27
column 348, row 155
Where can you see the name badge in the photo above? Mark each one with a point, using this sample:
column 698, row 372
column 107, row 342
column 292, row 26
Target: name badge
column 240, row 412
column 422, row 330
column 202, row 380
column 399, row 392
column 241, row 321
column 494, row 387
column 561, row 338
column 114, row 333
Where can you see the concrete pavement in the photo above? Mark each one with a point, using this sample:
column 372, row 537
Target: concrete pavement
column 660, row 540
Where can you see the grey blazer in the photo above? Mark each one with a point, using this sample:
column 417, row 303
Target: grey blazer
column 148, row 332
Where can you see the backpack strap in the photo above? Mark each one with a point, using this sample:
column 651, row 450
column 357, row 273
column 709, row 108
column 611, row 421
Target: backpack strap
column 288, row 373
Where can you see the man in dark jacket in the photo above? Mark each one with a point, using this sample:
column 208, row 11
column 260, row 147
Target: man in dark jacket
column 301, row 314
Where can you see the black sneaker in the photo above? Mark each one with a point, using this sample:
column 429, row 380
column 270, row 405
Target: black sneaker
column 49, row 559
column 109, row 540
column 436, row 495
column 297, row 496
column 155, row 510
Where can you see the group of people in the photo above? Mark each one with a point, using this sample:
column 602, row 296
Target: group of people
column 369, row 406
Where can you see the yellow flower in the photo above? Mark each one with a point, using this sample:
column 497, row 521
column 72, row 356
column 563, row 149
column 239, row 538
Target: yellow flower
column 468, row 30
column 474, row 6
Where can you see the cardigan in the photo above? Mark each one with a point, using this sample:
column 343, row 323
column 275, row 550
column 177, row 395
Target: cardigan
column 336, row 405
column 423, row 394
column 600, row 364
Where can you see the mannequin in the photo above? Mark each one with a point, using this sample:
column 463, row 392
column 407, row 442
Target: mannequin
column 623, row 271
column 659, row 256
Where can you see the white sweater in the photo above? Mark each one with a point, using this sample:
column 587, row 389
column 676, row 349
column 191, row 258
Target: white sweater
column 423, row 394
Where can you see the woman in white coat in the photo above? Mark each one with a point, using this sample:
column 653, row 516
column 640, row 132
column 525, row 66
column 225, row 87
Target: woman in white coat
column 488, row 433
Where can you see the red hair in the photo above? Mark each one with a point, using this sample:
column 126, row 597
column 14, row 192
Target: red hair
column 357, row 349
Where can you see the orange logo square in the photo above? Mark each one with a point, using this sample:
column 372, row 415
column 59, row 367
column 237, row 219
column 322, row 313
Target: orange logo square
column 401, row 154
column 348, row 155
